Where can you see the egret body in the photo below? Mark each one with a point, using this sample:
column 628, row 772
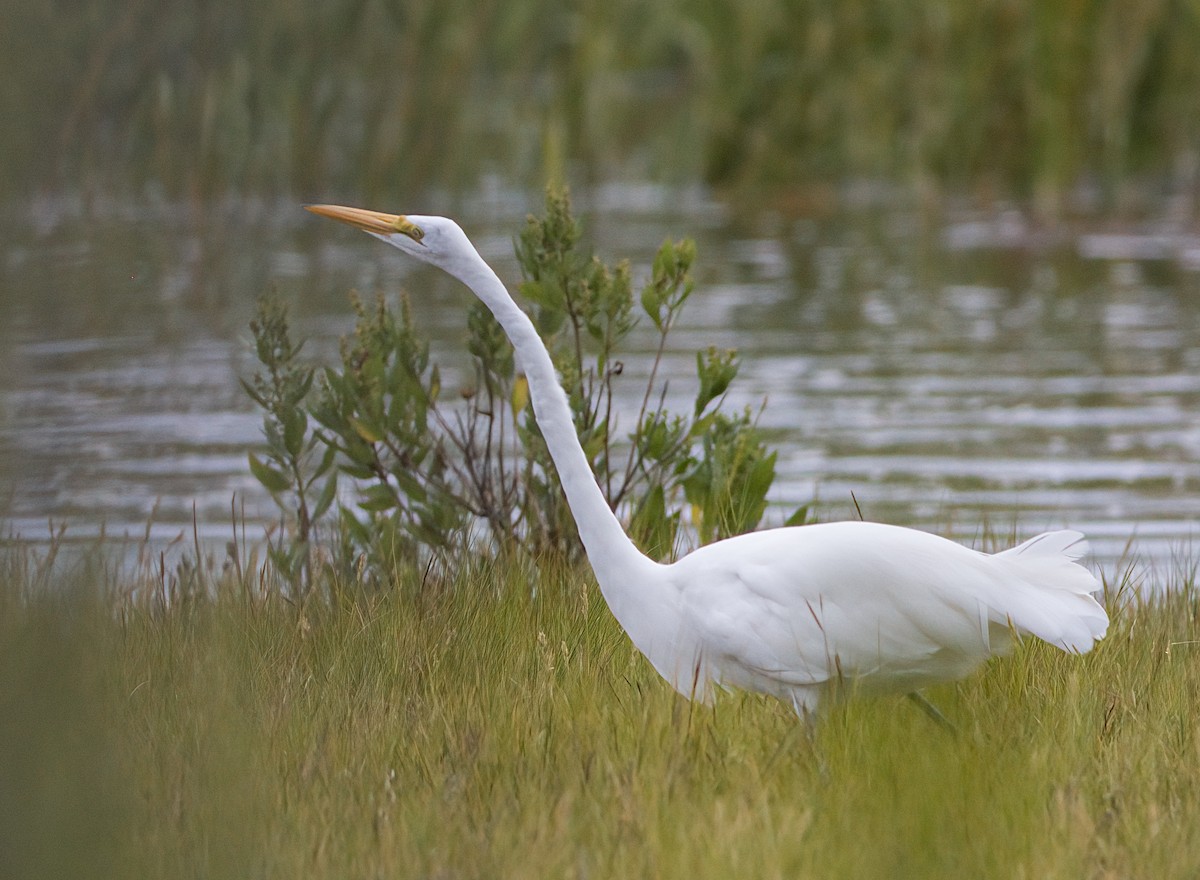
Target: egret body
column 791, row 612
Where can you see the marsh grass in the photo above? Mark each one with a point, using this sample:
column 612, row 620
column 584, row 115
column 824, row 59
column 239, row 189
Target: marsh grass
column 500, row 725
column 1012, row 97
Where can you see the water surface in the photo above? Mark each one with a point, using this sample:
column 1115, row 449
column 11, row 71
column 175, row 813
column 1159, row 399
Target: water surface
column 981, row 371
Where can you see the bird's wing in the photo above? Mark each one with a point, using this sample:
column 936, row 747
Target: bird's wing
column 879, row 604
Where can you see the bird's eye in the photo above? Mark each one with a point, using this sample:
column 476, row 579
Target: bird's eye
column 403, row 225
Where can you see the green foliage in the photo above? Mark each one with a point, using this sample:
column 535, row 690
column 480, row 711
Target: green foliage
column 377, row 412
column 775, row 96
column 478, row 728
column 584, row 311
column 424, row 473
column 727, row 486
column 296, row 466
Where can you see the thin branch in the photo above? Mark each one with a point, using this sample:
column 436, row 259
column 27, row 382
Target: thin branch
column 658, row 355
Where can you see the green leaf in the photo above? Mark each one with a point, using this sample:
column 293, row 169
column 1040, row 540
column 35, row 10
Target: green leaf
column 410, row 485
column 652, row 304
column 377, row 498
column 327, row 459
column 762, row 474
column 519, row 397
column 539, row 294
column 550, row 320
column 716, row 370
column 295, row 425
column 305, row 385
column 326, row 499
column 253, row 394
column 800, row 516
column 368, row 431
column 702, row 425
column 272, row 479
column 594, row 445
column 652, row 527
column 356, row 470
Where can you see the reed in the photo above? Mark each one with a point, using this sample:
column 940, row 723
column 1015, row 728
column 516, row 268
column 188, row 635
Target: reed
column 780, row 98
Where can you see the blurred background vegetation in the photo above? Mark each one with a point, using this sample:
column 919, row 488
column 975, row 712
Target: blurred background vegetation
column 998, row 98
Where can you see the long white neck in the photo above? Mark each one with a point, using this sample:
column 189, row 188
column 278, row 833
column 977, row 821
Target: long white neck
column 613, row 556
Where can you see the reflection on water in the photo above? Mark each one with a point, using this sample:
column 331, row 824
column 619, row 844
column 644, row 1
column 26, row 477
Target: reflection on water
column 983, row 372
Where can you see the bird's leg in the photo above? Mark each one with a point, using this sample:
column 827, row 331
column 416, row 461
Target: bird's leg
column 933, row 712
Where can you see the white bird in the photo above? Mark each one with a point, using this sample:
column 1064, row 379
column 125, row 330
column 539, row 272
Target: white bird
column 797, row 612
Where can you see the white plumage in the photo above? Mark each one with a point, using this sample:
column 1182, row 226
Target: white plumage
column 793, row 612
column 887, row 608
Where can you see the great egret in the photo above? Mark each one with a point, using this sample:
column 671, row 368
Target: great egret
column 790, row 612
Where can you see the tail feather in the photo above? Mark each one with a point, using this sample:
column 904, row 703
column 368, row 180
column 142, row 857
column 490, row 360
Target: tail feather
column 1054, row 598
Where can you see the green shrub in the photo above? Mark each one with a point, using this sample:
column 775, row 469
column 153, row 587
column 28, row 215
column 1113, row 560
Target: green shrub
column 429, row 477
column 295, row 459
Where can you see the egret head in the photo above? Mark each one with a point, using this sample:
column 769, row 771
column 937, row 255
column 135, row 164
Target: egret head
column 435, row 240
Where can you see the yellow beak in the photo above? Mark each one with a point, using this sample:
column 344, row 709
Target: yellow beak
column 370, row 221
